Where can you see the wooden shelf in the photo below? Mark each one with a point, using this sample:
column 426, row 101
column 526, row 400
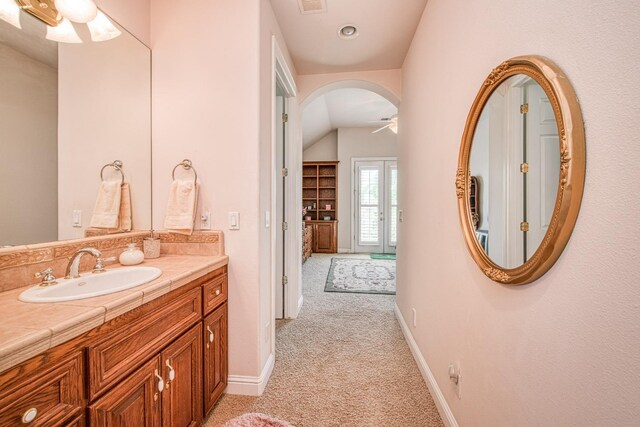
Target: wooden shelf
column 322, row 178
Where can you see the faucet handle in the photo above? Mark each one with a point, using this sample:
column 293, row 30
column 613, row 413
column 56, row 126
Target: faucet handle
column 99, row 267
column 47, row 277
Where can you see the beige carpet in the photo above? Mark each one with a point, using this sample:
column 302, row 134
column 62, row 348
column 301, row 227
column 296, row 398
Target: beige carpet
column 342, row 362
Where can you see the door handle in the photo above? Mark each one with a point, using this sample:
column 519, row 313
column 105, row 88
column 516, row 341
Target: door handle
column 172, row 372
column 210, row 333
column 160, row 382
column 381, row 216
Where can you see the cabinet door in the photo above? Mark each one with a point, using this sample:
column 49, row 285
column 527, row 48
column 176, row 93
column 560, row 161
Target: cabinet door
column 215, row 356
column 182, row 371
column 323, row 239
column 134, row 402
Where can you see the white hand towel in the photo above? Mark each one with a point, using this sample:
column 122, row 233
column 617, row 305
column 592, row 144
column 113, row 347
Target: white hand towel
column 125, row 218
column 181, row 208
column 107, row 207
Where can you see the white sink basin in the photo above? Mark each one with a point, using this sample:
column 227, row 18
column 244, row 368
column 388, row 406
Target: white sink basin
column 92, row 285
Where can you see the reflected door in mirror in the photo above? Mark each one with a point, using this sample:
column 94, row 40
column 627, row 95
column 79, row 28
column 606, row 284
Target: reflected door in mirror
column 515, row 158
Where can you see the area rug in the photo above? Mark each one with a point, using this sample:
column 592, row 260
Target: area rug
column 363, row 276
column 256, row 420
column 382, row 256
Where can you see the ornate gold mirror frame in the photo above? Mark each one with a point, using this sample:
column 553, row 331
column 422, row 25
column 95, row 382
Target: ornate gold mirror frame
column 572, row 168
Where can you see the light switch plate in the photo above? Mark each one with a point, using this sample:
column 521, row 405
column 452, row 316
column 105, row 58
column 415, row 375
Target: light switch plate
column 76, row 219
column 234, row 221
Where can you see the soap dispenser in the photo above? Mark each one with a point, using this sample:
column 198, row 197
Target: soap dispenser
column 132, row 255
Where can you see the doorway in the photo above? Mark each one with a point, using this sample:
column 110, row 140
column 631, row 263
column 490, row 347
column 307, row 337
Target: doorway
column 376, row 205
column 281, row 200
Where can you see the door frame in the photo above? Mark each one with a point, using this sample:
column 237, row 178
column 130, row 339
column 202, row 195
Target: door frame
column 353, row 203
column 293, row 242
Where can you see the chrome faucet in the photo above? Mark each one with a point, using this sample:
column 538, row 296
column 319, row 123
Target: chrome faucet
column 74, row 263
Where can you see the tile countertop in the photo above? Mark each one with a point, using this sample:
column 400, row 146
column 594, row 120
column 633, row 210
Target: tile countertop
column 28, row 329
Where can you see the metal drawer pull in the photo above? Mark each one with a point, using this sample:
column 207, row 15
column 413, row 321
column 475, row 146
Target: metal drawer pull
column 210, row 333
column 172, row 372
column 160, row 382
column 217, row 292
column 29, row 416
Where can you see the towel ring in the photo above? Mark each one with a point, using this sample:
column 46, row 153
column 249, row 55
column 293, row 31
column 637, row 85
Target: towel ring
column 117, row 165
column 187, row 165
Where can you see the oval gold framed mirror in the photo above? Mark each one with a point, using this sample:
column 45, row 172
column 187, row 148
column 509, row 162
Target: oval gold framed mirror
column 521, row 170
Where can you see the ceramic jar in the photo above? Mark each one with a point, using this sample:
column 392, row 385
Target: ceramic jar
column 132, row 255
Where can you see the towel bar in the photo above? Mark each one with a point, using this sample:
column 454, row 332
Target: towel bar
column 187, row 165
column 117, row 165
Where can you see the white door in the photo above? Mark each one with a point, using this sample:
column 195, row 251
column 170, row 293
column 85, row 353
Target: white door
column 541, row 181
column 280, row 219
column 376, row 206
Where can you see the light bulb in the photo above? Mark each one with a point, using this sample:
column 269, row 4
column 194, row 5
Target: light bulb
column 102, row 29
column 63, row 32
column 81, row 11
column 10, row 12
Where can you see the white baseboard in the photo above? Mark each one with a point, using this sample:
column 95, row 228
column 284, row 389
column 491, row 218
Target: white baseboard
column 443, row 407
column 251, row 386
column 344, row 251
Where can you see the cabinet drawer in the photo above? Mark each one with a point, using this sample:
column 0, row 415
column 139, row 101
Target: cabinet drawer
column 51, row 399
column 215, row 293
column 127, row 348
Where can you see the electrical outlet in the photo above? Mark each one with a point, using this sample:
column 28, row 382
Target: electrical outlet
column 415, row 317
column 456, row 377
column 205, row 221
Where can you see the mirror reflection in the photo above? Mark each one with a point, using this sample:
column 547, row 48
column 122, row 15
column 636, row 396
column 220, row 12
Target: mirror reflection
column 67, row 110
column 515, row 168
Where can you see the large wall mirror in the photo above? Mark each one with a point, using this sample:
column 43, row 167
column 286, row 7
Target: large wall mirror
column 67, row 110
column 521, row 170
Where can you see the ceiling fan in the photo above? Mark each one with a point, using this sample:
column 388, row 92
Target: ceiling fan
column 389, row 122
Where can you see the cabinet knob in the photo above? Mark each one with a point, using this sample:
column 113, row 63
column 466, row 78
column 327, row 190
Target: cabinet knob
column 217, row 292
column 160, row 382
column 29, row 416
column 172, row 372
column 210, row 333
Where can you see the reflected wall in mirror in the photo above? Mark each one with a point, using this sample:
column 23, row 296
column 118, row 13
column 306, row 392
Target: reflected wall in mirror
column 66, row 110
column 521, row 170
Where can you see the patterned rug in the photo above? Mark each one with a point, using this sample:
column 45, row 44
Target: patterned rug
column 256, row 420
column 363, row 276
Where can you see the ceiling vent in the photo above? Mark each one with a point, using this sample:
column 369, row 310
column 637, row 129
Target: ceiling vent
column 312, row 6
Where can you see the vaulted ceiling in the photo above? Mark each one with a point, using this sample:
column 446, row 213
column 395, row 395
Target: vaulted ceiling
column 343, row 108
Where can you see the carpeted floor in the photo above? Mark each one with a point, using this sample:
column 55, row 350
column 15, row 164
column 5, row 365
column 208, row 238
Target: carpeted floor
column 342, row 362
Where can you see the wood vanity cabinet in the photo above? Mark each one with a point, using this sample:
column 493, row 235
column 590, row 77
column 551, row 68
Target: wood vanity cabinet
column 162, row 364
column 51, row 398
column 215, row 356
column 325, row 236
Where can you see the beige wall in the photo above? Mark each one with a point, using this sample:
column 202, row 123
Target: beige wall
column 104, row 92
column 562, row 350
column 326, row 148
column 28, row 149
column 343, row 145
column 212, row 104
column 352, row 143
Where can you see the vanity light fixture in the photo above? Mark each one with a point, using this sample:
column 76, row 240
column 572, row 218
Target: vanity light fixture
column 81, row 11
column 63, row 32
column 102, row 29
column 10, row 12
column 348, row 32
column 59, row 15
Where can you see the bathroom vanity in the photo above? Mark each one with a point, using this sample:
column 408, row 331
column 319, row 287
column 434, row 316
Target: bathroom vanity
column 161, row 360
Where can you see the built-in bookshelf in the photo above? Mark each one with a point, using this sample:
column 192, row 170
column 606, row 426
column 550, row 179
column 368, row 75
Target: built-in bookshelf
column 320, row 190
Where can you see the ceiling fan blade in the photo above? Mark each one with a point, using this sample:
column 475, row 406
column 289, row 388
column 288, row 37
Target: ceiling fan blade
column 382, row 128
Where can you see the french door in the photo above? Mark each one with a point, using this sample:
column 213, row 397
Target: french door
column 376, row 206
